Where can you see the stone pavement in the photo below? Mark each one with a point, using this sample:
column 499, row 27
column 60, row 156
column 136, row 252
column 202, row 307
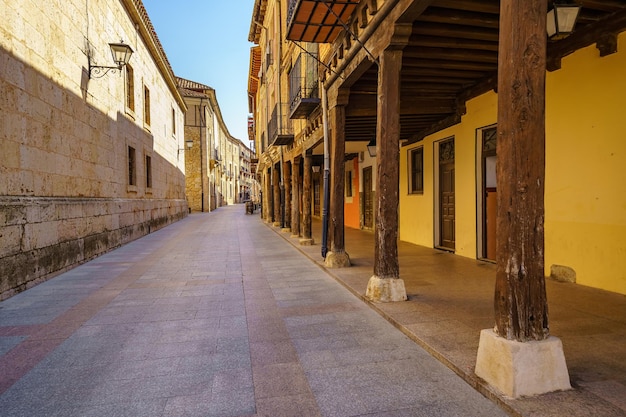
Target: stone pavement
column 451, row 300
column 215, row 315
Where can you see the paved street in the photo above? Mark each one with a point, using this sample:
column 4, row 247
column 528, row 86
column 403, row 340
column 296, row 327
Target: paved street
column 216, row 315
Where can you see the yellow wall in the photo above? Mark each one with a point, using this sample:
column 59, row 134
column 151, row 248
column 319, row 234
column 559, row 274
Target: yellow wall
column 417, row 211
column 586, row 167
column 585, row 197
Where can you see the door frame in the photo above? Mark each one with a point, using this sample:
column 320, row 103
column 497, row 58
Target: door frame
column 437, row 195
column 481, row 193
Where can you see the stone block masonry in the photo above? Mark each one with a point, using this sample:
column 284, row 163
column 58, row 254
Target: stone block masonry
column 87, row 164
column 40, row 237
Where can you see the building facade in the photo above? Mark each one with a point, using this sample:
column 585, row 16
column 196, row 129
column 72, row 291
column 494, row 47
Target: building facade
column 431, row 124
column 90, row 156
column 217, row 165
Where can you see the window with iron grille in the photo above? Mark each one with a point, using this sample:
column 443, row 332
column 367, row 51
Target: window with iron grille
column 148, row 171
column 416, row 164
column 132, row 166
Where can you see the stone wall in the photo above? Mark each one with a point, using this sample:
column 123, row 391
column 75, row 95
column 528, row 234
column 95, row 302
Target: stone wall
column 67, row 189
column 44, row 236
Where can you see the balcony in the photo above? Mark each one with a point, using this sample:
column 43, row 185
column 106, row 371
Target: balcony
column 280, row 127
column 317, row 21
column 303, row 87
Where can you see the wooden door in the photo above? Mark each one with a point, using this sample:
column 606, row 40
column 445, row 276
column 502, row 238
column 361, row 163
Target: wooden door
column 489, row 193
column 446, row 195
column 368, row 197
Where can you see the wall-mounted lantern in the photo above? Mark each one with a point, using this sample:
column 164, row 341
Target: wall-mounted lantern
column 315, row 168
column 188, row 144
column 371, row 147
column 121, row 55
column 561, row 19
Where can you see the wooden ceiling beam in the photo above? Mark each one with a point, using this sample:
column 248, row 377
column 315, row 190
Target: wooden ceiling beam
column 454, row 31
column 452, row 42
column 459, row 17
column 450, row 54
column 491, row 7
column 365, row 105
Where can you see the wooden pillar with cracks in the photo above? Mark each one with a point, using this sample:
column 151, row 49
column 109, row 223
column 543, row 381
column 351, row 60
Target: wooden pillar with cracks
column 295, row 198
column 307, row 238
column 287, row 203
column 276, row 190
column 386, row 285
column 337, row 257
column 519, row 357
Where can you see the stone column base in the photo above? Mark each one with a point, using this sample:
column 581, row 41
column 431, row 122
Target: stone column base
column 286, row 230
column 520, row 369
column 385, row 290
column 337, row 260
column 307, row 242
column 276, row 224
column 293, row 235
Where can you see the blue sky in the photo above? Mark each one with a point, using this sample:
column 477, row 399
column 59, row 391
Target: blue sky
column 207, row 41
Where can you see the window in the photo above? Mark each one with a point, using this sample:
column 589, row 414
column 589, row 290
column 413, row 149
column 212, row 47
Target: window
column 148, row 171
column 416, row 179
column 348, row 183
column 146, row 106
column 173, row 122
column 130, row 88
column 132, row 166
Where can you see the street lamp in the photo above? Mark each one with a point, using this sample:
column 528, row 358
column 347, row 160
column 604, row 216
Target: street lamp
column 371, row 147
column 561, row 20
column 121, row 55
column 188, row 143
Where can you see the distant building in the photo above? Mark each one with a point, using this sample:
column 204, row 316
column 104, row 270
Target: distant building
column 90, row 159
column 214, row 160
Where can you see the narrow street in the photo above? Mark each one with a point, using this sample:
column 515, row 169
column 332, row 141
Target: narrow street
column 216, row 315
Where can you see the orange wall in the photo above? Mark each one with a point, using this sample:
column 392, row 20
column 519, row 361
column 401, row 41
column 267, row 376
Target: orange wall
column 352, row 217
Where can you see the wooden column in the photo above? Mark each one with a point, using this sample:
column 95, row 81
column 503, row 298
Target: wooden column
column 287, row 203
column 337, row 256
column 268, row 197
column 385, row 284
column 521, row 311
column 520, row 299
column 388, row 165
column 337, row 179
column 295, row 198
column 276, row 185
column 307, row 238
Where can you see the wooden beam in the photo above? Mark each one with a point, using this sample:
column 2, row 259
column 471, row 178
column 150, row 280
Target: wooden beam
column 365, row 105
column 443, row 64
column 451, row 54
column 450, row 42
column 459, row 17
column 455, row 31
column 492, row 7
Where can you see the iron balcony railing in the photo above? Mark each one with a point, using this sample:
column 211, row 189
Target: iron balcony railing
column 303, row 86
column 280, row 126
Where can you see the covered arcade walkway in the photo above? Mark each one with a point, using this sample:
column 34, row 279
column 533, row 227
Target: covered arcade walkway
column 451, row 300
